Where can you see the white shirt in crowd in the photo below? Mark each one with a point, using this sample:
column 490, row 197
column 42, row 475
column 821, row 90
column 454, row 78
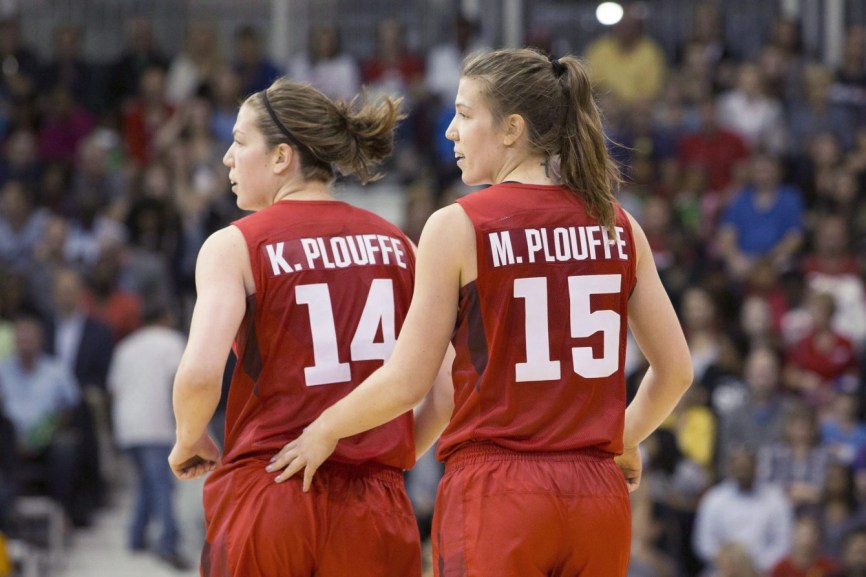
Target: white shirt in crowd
column 140, row 380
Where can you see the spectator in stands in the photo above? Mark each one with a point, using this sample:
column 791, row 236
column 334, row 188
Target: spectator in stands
column 849, row 88
column 823, row 358
column 84, row 346
column 68, row 68
column 255, row 69
column 225, row 95
column 64, row 124
column 815, row 172
column 98, row 185
column 445, row 61
column 806, row 558
column 798, row 462
column 741, row 510
column 154, row 224
column 854, row 555
column 733, row 560
column 765, row 219
column 20, row 64
column 766, row 281
column 394, row 68
column 444, row 64
column 708, row 45
column 627, row 61
column 40, row 397
column 144, row 115
column 138, row 55
column 817, row 113
column 760, row 420
column 196, row 66
column 47, row 257
column 107, row 301
column 756, row 117
column 831, row 267
column 842, row 431
column 140, row 380
column 22, row 224
column 757, row 326
column 702, row 328
column 647, row 558
column 839, row 512
column 20, row 159
column 786, row 37
column 716, row 150
column 326, row 65
column 397, row 70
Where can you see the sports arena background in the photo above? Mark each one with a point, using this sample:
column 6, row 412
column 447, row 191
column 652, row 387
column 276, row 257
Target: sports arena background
column 114, row 115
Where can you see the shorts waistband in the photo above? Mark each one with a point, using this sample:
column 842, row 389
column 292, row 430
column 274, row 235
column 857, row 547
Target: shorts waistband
column 480, row 452
column 377, row 471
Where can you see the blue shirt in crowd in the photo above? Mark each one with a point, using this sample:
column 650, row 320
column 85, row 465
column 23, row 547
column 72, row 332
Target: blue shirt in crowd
column 759, row 229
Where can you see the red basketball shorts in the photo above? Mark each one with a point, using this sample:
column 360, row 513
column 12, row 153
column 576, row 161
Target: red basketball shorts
column 512, row 514
column 355, row 521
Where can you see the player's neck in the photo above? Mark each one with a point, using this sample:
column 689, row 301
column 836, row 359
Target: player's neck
column 305, row 191
column 532, row 171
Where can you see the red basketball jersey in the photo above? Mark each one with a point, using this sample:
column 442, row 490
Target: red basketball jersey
column 333, row 284
column 541, row 333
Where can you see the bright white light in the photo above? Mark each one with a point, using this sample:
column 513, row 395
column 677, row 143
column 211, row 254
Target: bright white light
column 609, row 13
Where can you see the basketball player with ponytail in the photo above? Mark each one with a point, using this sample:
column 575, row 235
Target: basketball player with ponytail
column 312, row 293
column 535, row 280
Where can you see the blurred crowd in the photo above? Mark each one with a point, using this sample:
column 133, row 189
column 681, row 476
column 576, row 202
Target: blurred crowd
column 748, row 173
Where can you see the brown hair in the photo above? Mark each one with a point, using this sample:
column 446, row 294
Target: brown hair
column 555, row 99
column 350, row 137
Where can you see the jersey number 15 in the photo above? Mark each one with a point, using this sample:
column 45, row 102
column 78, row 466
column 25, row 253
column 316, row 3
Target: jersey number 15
column 584, row 323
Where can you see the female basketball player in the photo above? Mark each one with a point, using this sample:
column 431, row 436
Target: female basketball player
column 542, row 273
column 313, row 291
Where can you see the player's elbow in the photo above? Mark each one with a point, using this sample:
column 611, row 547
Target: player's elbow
column 676, row 373
column 683, row 374
column 408, row 387
column 195, row 379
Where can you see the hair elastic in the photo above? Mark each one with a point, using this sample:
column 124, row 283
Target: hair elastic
column 289, row 136
column 558, row 67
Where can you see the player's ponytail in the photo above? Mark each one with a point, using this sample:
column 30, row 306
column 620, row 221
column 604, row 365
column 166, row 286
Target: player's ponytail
column 350, row 138
column 585, row 165
column 554, row 96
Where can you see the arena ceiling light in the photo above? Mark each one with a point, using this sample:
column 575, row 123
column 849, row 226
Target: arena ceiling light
column 609, row 13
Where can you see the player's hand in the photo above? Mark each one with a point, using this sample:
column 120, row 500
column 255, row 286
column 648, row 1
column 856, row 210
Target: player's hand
column 631, row 465
column 192, row 462
column 307, row 452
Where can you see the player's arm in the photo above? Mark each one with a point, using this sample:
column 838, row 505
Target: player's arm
column 661, row 340
column 660, row 337
column 219, row 309
column 404, row 380
column 434, row 412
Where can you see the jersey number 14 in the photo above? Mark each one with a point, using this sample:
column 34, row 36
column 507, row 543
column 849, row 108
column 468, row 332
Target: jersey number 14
column 378, row 311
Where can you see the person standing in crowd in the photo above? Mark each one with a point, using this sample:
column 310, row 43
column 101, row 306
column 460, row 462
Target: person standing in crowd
column 543, row 272
column 315, row 292
column 140, row 380
column 627, row 61
column 722, row 512
column 84, row 345
column 40, row 398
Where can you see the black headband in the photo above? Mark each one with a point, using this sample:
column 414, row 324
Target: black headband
column 558, row 67
column 303, row 147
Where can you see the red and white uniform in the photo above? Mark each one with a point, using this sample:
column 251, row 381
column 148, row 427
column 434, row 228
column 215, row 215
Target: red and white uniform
column 539, row 391
column 332, row 288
